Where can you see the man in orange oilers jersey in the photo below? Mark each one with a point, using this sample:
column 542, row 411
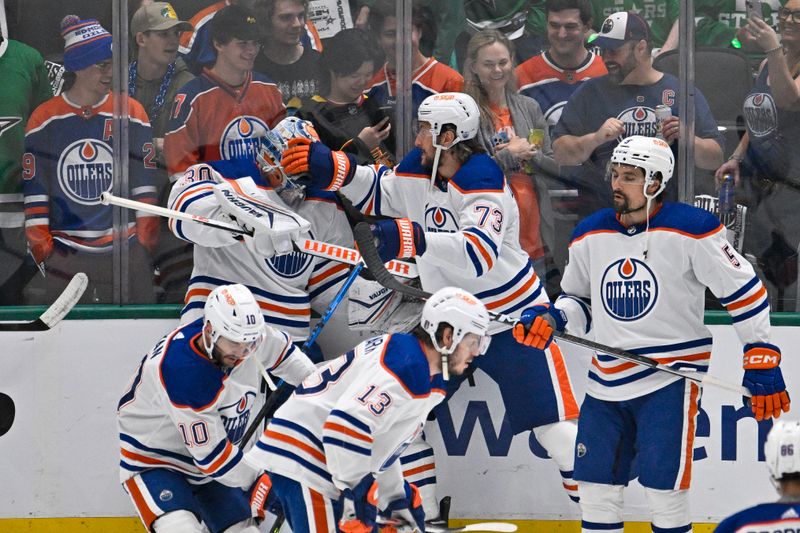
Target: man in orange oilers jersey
column 225, row 112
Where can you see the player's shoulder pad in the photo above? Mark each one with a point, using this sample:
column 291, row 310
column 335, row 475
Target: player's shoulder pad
column 601, row 220
column 190, row 379
column 238, row 168
column 685, row 219
column 405, row 360
column 479, row 174
column 412, row 164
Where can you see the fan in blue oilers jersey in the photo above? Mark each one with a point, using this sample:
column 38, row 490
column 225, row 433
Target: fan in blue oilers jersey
column 332, row 450
column 782, row 454
column 456, row 215
column 636, row 279
column 182, row 419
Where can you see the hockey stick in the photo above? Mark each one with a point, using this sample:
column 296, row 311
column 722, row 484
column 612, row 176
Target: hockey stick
column 500, row 527
column 366, row 243
column 307, row 246
column 57, row 310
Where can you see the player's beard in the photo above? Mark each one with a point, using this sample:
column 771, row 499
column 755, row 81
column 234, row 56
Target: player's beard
column 623, row 206
column 619, row 71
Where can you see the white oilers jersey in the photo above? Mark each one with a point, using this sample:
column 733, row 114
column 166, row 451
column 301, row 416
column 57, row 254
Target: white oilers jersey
column 352, row 417
column 285, row 286
column 654, row 306
column 471, row 225
column 778, row 517
column 183, row 413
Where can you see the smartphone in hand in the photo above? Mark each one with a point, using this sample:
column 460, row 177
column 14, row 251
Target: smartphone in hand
column 753, row 9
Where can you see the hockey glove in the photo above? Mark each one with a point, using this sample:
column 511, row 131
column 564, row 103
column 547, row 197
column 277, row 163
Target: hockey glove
column 262, row 499
column 764, row 379
column 360, row 506
column 536, row 325
column 405, row 514
column 324, row 169
column 398, row 238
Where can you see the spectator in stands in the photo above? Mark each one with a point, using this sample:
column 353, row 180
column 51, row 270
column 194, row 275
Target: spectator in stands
column 226, row 112
column 661, row 16
column 154, row 77
column 344, row 117
column 767, row 152
column 283, row 58
column 506, row 120
column 621, row 104
column 67, row 165
column 428, row 75
column 25, row 86
column 551, row 77
column 196, row 49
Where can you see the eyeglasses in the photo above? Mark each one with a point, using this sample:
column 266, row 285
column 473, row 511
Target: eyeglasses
column 784, row 13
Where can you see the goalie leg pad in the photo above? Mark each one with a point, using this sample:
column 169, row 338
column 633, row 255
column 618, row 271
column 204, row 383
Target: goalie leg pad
column 670, row 509
column 179, row 522
column 601, row 507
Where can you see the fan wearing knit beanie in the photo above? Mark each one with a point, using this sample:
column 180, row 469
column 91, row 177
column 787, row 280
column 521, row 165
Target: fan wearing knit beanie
column 67, row 165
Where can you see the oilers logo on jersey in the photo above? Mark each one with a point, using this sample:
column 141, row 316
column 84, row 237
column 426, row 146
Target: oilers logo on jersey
column 85, row 170
column 236, row 415
column 242, row 137
column 761, row 114
column 639, row 120
column 440, row 219
column 290, row 265
column 630, row 289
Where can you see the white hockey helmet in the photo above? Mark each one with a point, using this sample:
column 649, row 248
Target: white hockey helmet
column 458, row 109
column 651, row 154
column 233, row 313
column 782, row 449
column 462, row 311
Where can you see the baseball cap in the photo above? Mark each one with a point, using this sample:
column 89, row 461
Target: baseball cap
column 156, row 17
column 235, row 21
column 619, row 28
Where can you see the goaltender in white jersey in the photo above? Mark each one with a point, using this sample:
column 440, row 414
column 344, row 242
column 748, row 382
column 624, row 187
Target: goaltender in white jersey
column 341, row 433
column 182, row 419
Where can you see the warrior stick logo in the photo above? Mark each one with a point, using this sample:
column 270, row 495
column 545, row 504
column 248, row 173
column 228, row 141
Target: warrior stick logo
column 629, row 289
column 6, row 123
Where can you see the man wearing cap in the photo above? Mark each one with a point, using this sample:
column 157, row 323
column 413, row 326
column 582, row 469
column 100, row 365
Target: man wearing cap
column 68, row 163
column 226, row 112
column 154, row 77
column 606, row 109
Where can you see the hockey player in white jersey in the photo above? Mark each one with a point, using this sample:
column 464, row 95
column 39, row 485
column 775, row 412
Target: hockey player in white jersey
column 636, row 280
column 455, row 214
column 782, row 454
column 182, row 419
column 286, row 283
column 332, row 450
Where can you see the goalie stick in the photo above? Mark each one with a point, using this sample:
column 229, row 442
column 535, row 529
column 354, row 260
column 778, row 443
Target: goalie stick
column 500, row 527
column 57, row 310
column 326, row 250
column 366, row 243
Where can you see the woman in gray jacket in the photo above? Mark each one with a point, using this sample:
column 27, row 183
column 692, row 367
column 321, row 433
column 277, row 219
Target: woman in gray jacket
column 507, row 118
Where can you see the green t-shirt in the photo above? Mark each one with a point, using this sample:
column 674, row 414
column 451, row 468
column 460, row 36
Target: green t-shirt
column 718, row 20
column 659, row 14
column 24, row 87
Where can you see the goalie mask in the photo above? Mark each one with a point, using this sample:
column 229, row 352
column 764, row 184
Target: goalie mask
column 782, row 449
column 273, row 146
column 234, row 315
column 651, row 154
column 463, row 312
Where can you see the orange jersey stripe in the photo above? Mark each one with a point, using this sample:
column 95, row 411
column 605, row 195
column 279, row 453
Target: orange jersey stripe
column 747, row 301
column 328, row 273
column 515, row 294
column 347, row 431
column 474, row 240
column 313, row 452
column 417, row 470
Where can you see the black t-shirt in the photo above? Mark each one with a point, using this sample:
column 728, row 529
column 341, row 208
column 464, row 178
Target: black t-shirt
column 299, row 79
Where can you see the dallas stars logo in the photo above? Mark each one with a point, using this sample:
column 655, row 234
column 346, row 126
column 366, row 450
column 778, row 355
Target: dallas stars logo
column 6, row 123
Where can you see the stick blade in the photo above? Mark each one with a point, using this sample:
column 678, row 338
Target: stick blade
column 65, row 301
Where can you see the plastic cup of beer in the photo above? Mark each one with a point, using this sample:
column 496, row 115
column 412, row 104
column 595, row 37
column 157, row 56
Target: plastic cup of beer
column 536, row 137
